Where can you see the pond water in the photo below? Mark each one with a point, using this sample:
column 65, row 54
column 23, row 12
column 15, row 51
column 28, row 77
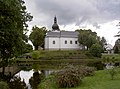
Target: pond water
column 26, row 75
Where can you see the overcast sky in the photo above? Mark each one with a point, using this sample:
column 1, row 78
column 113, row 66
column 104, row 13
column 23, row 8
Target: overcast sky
column 101, row 16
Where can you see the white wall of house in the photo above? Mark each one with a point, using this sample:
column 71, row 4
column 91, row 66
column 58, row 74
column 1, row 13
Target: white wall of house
column 70, row 43
column 60, row 43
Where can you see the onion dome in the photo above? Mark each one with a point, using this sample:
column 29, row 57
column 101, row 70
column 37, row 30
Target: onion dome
column 55, row 26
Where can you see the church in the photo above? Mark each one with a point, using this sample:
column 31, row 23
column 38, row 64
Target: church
column 61, row 40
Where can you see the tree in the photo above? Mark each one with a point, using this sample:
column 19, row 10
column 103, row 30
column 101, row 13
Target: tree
column 35, row 79
column 27, row 48
column 117, row 46
column 96, row 50
column 90, row 41
column 37, row 36
column 87, row 38
column 13, row 28
column 102, row 42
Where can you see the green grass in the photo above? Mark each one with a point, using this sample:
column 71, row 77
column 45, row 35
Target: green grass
column 62, row 54
column 111, row 56
column 101, row 80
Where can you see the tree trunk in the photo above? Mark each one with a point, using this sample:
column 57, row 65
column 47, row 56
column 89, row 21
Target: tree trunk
column 3, row 70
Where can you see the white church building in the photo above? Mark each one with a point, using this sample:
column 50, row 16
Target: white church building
column 61, row 40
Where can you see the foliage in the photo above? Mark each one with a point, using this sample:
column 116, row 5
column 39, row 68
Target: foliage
column 13, row 18
column 16, row 83
column 48, row 83
column 68, row 77
column 103, row 42
column 35, row 79
column 37, row 36
column 117, row 46
column 13, row 28
column 87, row 37
column 101, row 80
column 27, row 48
column 116, row 49
column 86, row 71
column 112, row 72
column 36, row 55
column 96, row 50
column 3, row 85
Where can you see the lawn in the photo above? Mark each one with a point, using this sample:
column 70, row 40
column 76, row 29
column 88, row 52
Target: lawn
column 101, row 80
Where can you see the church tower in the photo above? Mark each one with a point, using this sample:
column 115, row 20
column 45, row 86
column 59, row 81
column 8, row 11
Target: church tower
column 55, row 26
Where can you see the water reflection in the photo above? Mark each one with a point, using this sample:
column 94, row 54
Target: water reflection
column 22, row 75
column 33, row 77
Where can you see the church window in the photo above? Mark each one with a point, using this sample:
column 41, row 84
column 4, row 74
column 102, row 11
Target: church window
column 53, row 42
column 75, row 42
column 70, row 42
column 65, row 42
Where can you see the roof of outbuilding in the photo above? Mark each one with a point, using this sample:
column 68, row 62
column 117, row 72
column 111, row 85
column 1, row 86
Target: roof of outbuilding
column 62, row 34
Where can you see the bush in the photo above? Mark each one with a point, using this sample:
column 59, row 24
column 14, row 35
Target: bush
column 99, row 65
column 96, row 50
column 86, row 71
column 3, row 85
column 68, row 77
column 36, row 55
column 48, row 83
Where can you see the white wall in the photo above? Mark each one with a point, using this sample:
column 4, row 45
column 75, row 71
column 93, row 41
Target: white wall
column 68, row 45
column 60, row 43
column 49, row 43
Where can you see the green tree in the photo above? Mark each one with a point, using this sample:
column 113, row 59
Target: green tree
column 13, row 28
column 90, row 41
column 117, row 46
column 87, row 38
column 96, row 50
column 27, row 48
column 37, row 36
column 102, row 42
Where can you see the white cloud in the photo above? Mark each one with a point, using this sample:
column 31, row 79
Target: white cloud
column 72, row 14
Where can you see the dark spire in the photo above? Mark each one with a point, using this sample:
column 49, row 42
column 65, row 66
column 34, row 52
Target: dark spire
column 55, row 20
column 55, row 26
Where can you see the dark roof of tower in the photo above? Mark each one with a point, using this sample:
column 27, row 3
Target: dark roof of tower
column 55, row 26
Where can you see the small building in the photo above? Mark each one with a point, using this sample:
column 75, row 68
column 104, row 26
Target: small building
column 109, row 48
column 61, row 40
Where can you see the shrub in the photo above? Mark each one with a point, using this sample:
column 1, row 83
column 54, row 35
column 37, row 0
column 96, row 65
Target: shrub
column 36, row 55
column 96, row 50
column 3, row 85
column 48, row 83
column 68, row 77
column 99, row 65
column 86, row 71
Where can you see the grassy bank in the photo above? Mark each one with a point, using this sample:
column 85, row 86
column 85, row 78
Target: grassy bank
column 101, row 80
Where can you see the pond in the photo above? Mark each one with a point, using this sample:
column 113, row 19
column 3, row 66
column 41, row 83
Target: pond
column 26, row 75
column 16, row 73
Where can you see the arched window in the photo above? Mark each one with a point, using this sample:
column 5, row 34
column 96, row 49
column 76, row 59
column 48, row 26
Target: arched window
column 71, row 42
column 75, row 42
column 53, row 42
column 65, row 41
